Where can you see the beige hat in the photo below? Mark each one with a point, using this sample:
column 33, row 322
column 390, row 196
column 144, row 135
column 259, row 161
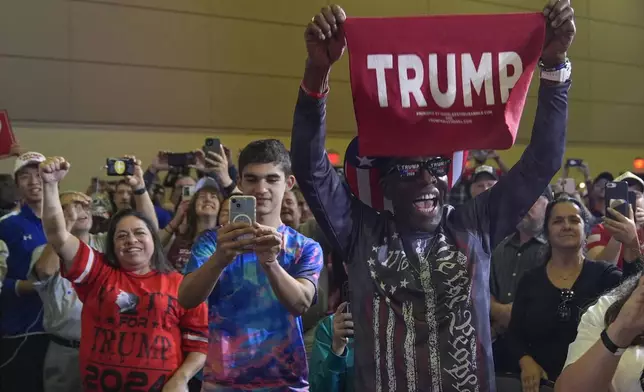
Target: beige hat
column 630, row 178
column 28, row 158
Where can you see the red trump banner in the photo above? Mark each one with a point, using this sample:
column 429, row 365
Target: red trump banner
column 7, row 138
column 439, row 84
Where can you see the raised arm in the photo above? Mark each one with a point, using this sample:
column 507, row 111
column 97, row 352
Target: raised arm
column 503, row 207
column 329, row 200
column 52, row 171
column 142, row 198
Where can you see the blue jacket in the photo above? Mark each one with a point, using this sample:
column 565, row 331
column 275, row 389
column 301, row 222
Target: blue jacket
column 22, row 232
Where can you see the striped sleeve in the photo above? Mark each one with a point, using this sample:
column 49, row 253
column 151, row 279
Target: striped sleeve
column 87, row 267
column 194, row 330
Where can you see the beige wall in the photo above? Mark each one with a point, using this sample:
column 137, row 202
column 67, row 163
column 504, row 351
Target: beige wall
column 90, row 79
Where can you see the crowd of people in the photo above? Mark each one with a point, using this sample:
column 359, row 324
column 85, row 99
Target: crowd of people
column 147, row 284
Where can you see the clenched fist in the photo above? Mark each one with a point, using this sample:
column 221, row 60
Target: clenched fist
column 325, row 40
column 54, row 169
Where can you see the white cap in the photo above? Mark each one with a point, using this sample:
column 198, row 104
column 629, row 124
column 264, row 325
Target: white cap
column 206, row 181
column 28, row 158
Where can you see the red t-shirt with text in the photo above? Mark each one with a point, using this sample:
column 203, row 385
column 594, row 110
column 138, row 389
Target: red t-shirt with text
column 134, row 333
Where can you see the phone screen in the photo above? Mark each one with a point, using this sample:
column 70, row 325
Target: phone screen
column 119, row 167
column 187, row 192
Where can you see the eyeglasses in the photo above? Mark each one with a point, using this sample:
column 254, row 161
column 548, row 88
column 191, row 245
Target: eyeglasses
column 563, row 310
column 437, row 167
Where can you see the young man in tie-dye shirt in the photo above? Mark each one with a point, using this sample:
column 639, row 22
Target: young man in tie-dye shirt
column 257, row 286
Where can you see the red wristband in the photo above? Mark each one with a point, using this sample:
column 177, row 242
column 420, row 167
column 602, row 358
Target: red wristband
column 313, row 94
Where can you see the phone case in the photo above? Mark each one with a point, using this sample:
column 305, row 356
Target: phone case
column 242, row 209
column 346, row 296
column 617, row 197
column 212, row 144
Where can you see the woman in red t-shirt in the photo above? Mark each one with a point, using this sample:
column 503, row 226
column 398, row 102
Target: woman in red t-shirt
column 134, row 333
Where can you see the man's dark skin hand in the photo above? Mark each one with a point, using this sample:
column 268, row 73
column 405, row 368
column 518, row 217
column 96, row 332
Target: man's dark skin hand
column 560, row 32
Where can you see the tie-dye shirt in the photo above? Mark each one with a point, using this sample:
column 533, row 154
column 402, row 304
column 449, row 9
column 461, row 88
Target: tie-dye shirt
column 256, row 344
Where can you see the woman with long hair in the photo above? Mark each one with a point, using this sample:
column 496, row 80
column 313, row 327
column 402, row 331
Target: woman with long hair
column 550, row 298
column 194, row 216
column 135, row 335
column 607, row 353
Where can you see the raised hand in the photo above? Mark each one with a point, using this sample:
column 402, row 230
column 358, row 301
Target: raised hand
column 622, row 228
column 342, row 329
column 560, row 31
column 229, row 243
column 214, row 162
column 136, row 181
column 54, row 169
column 324, row 35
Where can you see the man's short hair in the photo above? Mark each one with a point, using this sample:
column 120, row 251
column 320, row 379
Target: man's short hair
column 265, row 151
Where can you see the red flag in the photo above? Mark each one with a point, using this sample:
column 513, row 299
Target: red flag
column 7, row 138
column 433, row 85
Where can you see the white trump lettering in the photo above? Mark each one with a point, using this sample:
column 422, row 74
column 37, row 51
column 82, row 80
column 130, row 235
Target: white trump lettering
column 474, row 79
column 477, row 78
column 380, row 62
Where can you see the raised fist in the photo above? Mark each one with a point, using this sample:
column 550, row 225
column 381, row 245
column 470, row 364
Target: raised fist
column 54, row 169
column 324, row 35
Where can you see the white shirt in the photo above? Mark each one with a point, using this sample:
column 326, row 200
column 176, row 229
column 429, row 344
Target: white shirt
column 628, row 373
column 62, row 308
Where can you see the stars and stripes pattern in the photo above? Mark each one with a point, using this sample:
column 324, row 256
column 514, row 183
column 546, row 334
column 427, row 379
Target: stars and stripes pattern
column 363, row 176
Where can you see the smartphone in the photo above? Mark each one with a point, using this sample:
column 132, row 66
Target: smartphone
column 119, row 167
column 346, row 296
column 569, row 186
column 181, row 159
column 617, row 197
column 573, row 162
column 187, row 192
column 242, row 210
column 632, row 200
column 212, row 144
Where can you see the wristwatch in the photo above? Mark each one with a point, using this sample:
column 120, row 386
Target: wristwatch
column 560, row 73
column 610, row 346
column 139, row 192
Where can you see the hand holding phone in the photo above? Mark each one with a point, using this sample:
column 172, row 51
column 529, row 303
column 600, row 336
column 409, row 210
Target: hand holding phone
column 342, row 329
column 617, row 198
column 230, row 244
column 574, row 162
column 187, row 192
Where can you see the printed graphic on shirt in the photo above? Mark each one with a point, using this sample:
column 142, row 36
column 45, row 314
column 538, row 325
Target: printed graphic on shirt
column 255, row 342
column 134, row 332
column 427, row 295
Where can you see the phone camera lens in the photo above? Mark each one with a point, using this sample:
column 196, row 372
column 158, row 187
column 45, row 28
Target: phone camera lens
column 238, row 205
column 209, row 143
column 234, row 200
